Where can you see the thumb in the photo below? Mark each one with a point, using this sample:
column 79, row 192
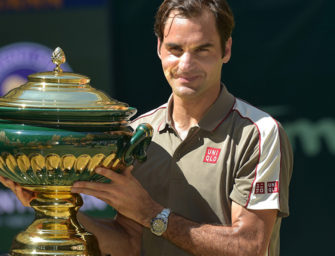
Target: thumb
column 128, row 170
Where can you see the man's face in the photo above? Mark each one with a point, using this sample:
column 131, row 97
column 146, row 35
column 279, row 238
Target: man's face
column 191, row 54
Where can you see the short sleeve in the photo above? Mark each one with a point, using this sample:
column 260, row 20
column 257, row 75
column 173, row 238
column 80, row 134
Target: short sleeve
column 262, row 178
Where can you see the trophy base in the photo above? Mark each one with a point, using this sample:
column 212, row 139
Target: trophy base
column 55, row 230
column 86, row 245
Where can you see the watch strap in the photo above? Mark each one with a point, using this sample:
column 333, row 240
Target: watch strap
column 164, row 213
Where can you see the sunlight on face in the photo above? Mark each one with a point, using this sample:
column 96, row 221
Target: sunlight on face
column 191, row 54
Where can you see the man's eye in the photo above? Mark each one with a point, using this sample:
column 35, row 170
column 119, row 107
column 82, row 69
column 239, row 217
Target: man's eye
column 202, row 50
column 176, row 51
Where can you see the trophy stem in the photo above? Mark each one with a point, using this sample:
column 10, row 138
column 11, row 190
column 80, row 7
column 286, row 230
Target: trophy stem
column 55, row 230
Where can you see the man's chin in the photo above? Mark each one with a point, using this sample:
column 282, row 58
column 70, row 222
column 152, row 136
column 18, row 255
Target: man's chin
column 185, row 92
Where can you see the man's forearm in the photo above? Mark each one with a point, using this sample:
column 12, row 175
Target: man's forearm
column 119, row 237
column 204, row 239
column 249, row 233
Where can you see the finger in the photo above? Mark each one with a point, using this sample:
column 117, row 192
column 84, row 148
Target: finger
column 128, row 170
column 91, row 185
column 29, row 195
column 110, row 174
column 23, row 196
column 102, row 195
column 19, row 194
column 8, row 183
column 3, row 181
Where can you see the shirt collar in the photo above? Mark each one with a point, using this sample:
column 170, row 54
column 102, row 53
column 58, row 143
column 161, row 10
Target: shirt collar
column 218, row 112
column 215, row 115
column 167, row 119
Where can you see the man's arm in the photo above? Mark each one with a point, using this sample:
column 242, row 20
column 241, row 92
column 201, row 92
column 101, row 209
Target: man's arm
column 249, row 233
column 118, row 237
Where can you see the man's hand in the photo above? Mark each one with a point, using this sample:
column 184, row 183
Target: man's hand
column 124, row 193
column 22, row 194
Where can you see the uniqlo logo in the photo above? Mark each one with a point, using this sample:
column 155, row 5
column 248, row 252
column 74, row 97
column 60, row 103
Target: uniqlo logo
column 212, row 155
column 260, row 188
column 273, row 187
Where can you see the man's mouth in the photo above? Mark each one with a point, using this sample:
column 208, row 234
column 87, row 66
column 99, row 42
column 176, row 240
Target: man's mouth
column 187, row 78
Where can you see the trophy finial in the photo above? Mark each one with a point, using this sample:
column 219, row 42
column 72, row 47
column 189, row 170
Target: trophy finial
column 58, row 58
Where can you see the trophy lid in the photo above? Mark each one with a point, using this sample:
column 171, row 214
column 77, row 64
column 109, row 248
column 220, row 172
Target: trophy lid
column 57, row 96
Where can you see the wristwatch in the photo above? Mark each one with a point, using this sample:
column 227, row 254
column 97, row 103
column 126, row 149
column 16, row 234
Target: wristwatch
column 159, row 224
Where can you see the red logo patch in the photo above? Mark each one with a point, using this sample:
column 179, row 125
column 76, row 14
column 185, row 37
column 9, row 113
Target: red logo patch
column 212, row 155
column 273, row 187
column 260, row 188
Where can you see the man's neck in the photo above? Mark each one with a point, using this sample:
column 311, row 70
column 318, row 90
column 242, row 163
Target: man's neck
column 187, row 112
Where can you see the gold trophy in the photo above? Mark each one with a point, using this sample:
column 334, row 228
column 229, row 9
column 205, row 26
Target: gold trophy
column 55, row 130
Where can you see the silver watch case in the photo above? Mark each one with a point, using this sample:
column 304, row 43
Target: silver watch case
column 159, row 224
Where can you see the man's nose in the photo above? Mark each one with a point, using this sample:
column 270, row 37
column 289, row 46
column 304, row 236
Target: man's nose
column 186, row 61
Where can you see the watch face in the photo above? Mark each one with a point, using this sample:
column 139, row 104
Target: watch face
column 158, row 225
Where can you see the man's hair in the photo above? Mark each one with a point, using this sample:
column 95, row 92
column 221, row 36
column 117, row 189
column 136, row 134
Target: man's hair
column 193, row 8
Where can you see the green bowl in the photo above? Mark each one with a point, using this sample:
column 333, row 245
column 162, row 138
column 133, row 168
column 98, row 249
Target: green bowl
column 42, row 155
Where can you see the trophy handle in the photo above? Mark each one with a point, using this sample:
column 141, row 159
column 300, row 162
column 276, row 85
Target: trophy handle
column 138, row 144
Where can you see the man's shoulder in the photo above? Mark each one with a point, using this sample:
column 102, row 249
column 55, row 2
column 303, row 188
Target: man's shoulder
column 254, row 124
column 152, row 117
column 260, row 119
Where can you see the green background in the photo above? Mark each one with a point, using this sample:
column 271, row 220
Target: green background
column 282, row 62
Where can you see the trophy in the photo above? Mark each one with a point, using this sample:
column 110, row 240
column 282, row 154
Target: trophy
column 55, row 130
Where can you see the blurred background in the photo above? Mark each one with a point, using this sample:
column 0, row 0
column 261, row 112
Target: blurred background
column 282, row 58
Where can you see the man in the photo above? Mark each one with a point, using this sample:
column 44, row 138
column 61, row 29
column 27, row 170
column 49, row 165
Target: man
column 217, row 175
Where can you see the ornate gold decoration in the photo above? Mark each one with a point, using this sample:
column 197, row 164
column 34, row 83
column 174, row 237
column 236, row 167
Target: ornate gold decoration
column 47, row 169
column 58, row 58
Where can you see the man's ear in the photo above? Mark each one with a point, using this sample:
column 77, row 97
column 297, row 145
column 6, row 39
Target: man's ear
column 227, row 53
column 159, row 47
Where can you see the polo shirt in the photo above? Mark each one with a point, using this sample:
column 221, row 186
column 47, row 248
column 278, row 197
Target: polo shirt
column 235, row 153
